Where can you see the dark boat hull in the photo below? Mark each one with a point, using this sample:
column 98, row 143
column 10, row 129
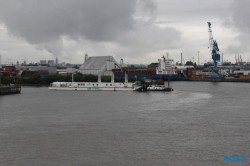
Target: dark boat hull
column 4, row 90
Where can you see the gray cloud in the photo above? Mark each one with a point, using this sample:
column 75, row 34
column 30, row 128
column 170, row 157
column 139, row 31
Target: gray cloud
column 151, row 38
column 187, row 10
column 47, row 20
column 239, row 21
column 240, row 13
column 124, row 24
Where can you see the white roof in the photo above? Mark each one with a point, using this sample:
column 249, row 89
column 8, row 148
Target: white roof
column 96, row 62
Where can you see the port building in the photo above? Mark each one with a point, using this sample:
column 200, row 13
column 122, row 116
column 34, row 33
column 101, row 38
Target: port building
column 98, row 64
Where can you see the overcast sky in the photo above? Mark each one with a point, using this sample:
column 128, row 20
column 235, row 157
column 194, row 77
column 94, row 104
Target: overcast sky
column 138, row 31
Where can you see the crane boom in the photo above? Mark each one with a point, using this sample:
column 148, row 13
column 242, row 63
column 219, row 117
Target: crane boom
column 214, row 49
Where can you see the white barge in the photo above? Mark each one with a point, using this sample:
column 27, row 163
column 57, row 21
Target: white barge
column 95, row 86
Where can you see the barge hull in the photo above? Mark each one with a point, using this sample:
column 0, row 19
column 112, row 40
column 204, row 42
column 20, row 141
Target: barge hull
column 10, row 90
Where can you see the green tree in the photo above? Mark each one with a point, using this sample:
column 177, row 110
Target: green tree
column 189, row 63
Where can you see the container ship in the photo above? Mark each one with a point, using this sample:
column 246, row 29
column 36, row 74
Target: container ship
column 164, row 69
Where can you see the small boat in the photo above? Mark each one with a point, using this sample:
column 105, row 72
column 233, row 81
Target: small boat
column 154, row 85
column 158, row 88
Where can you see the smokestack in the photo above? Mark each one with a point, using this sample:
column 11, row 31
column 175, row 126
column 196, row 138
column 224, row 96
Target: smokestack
column 181, row 58
column 57, row 61
column 86, row 57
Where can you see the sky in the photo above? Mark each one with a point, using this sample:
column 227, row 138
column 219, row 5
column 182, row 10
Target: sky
column 137, row 31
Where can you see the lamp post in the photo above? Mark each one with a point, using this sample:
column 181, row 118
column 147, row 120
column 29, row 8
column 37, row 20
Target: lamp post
column 198, row 57
column 0, row 70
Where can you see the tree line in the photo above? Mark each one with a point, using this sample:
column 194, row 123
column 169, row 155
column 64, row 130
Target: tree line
column 39, row 80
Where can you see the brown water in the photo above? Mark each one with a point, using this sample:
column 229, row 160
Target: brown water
column 197, row 124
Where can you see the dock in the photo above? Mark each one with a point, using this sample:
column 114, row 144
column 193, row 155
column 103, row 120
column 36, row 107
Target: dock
column 4, row 90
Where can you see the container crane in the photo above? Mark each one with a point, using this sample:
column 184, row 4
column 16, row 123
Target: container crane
column 214, row 49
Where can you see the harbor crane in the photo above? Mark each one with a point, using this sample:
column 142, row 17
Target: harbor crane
column 214, row 49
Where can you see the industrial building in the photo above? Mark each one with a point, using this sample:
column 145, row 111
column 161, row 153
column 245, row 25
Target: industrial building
column 98, row 65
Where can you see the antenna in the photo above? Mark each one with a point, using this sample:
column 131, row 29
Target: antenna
column 0, row 61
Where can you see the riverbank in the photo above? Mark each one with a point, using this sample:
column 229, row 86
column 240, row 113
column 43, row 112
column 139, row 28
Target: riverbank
column 236, row 80
column 215, row 80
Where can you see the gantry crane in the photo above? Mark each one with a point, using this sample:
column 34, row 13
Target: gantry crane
column 214, row 49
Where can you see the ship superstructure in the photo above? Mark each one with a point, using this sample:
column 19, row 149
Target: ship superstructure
column 166, row 66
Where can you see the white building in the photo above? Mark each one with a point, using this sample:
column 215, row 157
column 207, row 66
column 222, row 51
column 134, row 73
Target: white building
column 98, row 64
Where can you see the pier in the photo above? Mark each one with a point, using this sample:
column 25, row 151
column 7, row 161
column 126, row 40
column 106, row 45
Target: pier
column 4, row 90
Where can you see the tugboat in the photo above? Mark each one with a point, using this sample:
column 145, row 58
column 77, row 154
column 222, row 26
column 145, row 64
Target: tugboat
column 154, row 85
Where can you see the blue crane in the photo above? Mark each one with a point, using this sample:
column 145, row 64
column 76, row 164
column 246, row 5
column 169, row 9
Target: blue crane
column 213, row 46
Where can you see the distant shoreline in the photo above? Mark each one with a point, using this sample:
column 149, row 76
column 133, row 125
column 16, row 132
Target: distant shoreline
column 178, row 80
column 215, row 80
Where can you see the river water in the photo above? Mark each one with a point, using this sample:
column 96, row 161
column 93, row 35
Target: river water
column 199, row 123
